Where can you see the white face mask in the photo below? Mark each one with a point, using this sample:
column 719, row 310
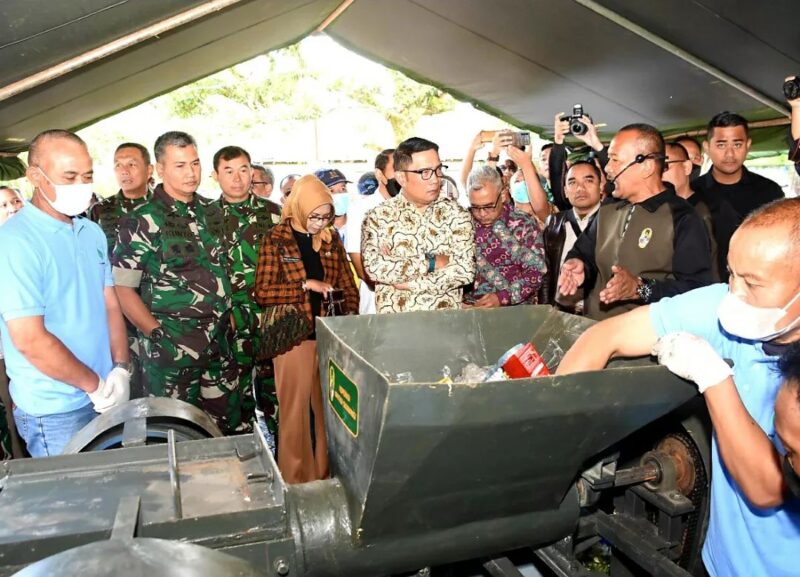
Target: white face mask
column 753, row 323
column 71, row 199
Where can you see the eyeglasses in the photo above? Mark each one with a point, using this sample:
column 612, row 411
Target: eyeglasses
column 324, row 219
column 476, row 209
column 427, row 173
column 260, row 182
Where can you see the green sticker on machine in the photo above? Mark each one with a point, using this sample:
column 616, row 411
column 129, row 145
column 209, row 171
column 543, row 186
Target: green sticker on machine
column 343, row 396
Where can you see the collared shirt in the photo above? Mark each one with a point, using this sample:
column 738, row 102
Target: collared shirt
column 661, row 238
column 396, row 238
column 510, row 258
column 245, row 225
column 741, row 539
column 171, row 251
column 360, row 205
column 109, row 212
column 57, row 271
column 571, row 237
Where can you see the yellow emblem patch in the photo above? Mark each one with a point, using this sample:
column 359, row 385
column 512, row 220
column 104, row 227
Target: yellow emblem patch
column 644, row 238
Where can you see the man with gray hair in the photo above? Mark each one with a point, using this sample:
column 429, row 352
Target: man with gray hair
column 509, row 248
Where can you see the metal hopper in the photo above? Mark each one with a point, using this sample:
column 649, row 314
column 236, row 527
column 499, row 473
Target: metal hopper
column 416, row 457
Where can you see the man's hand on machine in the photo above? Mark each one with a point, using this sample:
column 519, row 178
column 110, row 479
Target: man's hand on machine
column 692, row 358
column 112, row 390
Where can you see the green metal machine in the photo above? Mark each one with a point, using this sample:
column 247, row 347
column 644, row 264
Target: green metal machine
column 425, row 474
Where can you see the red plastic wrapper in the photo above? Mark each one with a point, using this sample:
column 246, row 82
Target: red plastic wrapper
column 524, row 362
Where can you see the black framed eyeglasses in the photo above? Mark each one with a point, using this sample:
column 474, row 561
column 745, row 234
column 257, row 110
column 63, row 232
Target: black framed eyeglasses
column 321, row 219
column 476, row 209
column 427, row 173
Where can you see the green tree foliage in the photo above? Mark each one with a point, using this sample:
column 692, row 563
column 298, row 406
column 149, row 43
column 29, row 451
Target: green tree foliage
column 282, row 86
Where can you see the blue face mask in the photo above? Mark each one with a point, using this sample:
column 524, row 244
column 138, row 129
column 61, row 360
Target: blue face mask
column 519, row 192
column 340, row 203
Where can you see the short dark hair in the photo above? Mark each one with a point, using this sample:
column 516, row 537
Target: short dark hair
column 680, row 149
column 547, row 146
column 53, row 134
column 726, row 119
column 229, row 153
column 142, row 149
column 268, row 174
column 789, row 366
column 650, row 142
column 172, row 138
column 586, row 163
column 382, row 160
column 413, row 145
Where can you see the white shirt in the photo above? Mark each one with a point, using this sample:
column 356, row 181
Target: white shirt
column 571, row 237
column 360, row 205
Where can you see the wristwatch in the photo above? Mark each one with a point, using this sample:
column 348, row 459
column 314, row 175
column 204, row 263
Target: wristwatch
column 645, row 289
column 127, row 367
column 431, row 262
column 493, row 158
column 156, row 335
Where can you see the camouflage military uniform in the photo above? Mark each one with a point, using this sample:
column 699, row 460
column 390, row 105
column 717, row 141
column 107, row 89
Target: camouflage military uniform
column 108, row 214
column 170, row 250
column 246, row 223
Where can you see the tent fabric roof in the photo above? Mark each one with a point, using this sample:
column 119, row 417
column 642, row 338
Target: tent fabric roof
column 670, row 63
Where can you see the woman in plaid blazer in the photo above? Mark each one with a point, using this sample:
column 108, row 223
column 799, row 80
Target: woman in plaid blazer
column 299, row 262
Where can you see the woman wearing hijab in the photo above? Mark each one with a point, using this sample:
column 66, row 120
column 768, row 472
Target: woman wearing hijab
column 300, row 261
column 10, row 203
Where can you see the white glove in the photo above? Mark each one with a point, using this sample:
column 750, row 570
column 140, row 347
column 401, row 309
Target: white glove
column 692, row 358
column 113, row 390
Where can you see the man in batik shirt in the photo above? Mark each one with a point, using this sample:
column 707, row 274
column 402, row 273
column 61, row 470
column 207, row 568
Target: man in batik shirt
column 417, row 247
column 510, row 251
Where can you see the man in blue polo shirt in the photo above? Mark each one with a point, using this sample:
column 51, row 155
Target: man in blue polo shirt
column 754, row 527
column 63, row 334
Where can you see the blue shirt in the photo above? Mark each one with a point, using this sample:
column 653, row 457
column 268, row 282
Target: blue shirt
column 58, row 271
column 741, row 539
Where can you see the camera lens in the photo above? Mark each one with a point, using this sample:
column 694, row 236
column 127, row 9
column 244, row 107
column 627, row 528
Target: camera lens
column 577, row 128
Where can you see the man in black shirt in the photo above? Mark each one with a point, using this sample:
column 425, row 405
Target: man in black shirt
column 646, row 244
column 729, row 189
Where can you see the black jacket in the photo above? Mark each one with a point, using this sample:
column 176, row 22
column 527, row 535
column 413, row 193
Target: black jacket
column 660, row 239
column 729, row 204
column 555, row 235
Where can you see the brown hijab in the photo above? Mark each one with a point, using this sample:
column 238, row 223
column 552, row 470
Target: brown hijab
column 308, row 194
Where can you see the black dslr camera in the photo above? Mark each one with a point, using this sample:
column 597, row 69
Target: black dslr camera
column 791, row 88
column 576, row 125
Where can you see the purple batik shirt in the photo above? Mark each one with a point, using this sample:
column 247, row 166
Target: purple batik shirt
column 510, row 258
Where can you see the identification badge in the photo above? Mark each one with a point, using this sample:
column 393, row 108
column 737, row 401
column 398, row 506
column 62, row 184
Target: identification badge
column 644, row 238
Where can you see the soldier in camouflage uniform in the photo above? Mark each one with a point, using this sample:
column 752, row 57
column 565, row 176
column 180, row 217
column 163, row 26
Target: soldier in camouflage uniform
column 247, row 218
column 169, row 248
column 133, row 170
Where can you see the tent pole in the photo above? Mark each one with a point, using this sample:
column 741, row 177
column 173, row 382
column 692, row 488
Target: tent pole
column 114, row 46
column 682, row 54
column 334, row 15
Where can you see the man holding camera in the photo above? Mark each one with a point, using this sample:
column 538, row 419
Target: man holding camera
column 647, row 245
column 580, row 125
